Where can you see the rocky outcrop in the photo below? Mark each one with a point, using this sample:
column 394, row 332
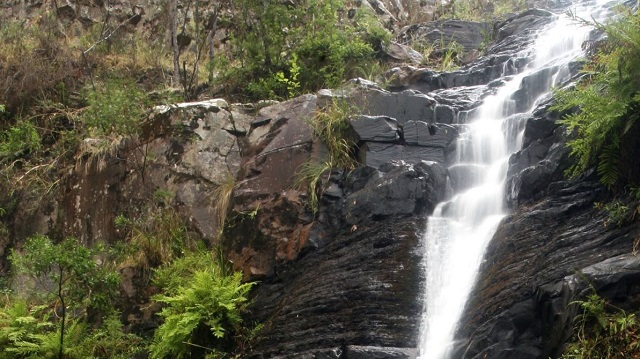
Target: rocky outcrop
column 516, row 309
column 345, row 282
column 404, row 140
column 458, row 35
column 554, row 249
column 362, row 305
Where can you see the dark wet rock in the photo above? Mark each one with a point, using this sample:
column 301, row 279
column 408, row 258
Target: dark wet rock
column 444, row 114
column 369, row 99
column 404, row 106
column 375, row 154
column 531, row 87
column 363, row 302
column 371, row 352
column 463, row 98
column 375, row 128
column 534, row 248
column 523, row 22
column 616, row 279
column 543, row 159
column 465, row 176
column 502, row 56
column 420, row 133
column 401, row 190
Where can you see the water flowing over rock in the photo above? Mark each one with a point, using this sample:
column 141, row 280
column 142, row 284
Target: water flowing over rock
column 520, row 305
column 348, row 281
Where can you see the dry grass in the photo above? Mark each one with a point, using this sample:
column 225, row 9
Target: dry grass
column 221, row 199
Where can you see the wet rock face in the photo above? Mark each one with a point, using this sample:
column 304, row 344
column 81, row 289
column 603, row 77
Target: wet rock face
column 501, row 58
column 362, row 306
column 321, row 288
column 519, row 306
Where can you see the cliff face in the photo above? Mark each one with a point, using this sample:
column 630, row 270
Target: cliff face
column 347, row 281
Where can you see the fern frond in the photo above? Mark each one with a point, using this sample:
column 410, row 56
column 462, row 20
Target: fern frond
column 608, row 164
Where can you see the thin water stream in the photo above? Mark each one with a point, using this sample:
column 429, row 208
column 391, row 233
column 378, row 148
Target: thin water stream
column 460, row 229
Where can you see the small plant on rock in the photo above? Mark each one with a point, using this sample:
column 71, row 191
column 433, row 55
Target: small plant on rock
column 603, row 331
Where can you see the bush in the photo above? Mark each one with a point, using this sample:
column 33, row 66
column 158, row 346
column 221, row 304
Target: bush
column 20, row 139
column 68, row 312
column 283, row 50
column 116, row 107
column 35, row 62
column 202, row 307
column 608, row 104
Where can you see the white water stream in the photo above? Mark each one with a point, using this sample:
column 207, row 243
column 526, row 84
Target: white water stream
column 460, row 229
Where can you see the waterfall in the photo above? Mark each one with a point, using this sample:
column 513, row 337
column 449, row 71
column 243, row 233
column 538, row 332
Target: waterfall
column 460, row 229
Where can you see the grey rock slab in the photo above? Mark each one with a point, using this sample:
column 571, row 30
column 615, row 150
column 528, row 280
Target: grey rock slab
column 372, row 352
column 376, row 154
column 467, row 34
column 404, row 53
column 300, row 110
column 375, row 128
column 420, row 133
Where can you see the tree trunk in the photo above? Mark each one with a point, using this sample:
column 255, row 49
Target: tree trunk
column 173, row 14
column 210, row 39
column 64, row 314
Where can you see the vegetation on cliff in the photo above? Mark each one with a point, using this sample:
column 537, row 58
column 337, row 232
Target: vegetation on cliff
column 74, row 94
column 607, row 100
column 603, row 123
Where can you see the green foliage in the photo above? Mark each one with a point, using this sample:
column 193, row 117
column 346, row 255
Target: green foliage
column 68, row 270
column 448, row 62
column 618, row 213
column 28, row 331
column 283, row 50
column 292, row 83
column 157, row 238
column 106, row 341
column 314, row 177
column 202, row 306
column 50, row 319
column 34, row 61
column 115, row 108
column 481, row 10
column 332, row 126
column 221, row 199
column 21, row 138
column 603, row 332
column 607, row 100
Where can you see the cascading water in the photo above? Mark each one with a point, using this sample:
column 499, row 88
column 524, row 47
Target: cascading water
column 460, row 229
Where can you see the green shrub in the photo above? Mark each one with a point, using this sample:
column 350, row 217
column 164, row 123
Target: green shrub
column 52, row 315
column 607, row 100
column 282, row 51
column 332, row 126
column 155, row 239
column 29, row 331
column 202, row 306
column 116, row 107
column 603, row 332
column 35, row 61
column 20, row 139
